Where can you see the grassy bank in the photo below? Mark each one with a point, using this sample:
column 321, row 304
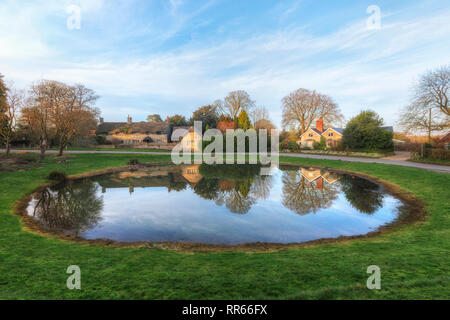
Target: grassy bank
column 413, row 259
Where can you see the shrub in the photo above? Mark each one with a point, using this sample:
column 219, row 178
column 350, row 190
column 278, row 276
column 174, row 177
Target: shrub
column 316, row 145
column 364, row 132
column 440, row 154
column 57, row 176
column 116, row 142
column 100, row 139
column 133, row 162
column 293, row 146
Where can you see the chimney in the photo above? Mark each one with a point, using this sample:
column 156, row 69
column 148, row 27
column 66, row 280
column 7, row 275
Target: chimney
column 102, row 120
column 319, row 125
column 319, row 184
column 130, row 120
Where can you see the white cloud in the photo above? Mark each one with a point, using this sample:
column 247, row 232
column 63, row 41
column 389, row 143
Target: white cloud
column 358, row 67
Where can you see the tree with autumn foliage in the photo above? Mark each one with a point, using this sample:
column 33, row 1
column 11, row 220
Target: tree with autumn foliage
column 67, row 111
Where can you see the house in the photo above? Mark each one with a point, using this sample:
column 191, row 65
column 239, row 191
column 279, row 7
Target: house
column 190, row 139
column 332, row 135
column 192, row 174
column 315, row 175
column 445, row 140
column 134, row 133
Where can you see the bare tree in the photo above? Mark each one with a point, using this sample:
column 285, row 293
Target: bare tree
column 44, row 97
column 302, row 107
column 14, row 104
column 75, row 116
column 234, row 103
column 259, row 113
column 433, row 90
column 429, row 108
column 55, row 107
column 417, row 117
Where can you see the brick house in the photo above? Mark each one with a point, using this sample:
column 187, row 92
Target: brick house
column 332, row 135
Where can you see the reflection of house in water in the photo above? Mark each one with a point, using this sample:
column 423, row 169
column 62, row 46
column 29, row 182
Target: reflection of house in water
column 192, row 174
column 311, row 174
column 171, row 177
column 316, row 175
column 331, row 177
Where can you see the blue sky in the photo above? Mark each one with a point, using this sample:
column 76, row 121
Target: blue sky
column 172, row 56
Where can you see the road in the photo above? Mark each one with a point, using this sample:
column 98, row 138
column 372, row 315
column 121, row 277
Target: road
column 399, row 159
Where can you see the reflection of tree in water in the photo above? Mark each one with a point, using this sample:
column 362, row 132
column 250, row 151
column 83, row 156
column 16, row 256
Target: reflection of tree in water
column 72, row 209
column 303, row 197
column 207, row 188
column 237, row 199
column 236, row 186
column 261, row 187
column 176, row 184
column 362, row 194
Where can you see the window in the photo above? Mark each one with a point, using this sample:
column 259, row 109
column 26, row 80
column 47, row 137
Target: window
column 330, row 134
column 311, row 135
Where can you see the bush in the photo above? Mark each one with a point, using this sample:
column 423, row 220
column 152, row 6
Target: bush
column 284, row 146
column 133, row 162
column 293, row 146
column 322, row 145
column 364, row 132
column 57, row 176
column 316, row 145
column 440, row 154
column 100, row 139
column 116, row 142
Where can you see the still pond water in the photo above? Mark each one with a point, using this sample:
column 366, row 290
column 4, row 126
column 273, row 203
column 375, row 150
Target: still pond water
column 215, row 205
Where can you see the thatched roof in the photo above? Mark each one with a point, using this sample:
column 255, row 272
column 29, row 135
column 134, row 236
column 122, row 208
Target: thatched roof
column 136, row 127
column 107, row 127
column 150, row 127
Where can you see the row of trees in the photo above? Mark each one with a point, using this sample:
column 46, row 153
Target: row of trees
column 237, row 106
column 48, row 110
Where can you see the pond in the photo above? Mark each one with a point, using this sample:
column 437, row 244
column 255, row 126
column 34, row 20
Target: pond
column 220, row 204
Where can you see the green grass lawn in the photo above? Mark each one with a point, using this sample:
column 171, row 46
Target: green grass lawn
column 413, row 259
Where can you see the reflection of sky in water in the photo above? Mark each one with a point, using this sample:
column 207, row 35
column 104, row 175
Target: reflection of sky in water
column 154, row 214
